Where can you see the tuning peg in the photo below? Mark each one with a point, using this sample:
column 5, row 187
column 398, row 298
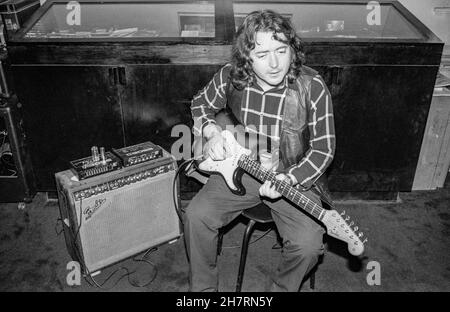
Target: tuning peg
column 355, row 228
column 365, row 241
column 351, row 223
column 347, row 218
column 360, row 234
column 343, row 212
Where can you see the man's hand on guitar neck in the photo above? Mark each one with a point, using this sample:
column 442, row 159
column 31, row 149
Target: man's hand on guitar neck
column 216, row 146
column 267, row 190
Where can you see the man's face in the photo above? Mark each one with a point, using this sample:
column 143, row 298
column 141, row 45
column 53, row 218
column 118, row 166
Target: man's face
column 271, row 59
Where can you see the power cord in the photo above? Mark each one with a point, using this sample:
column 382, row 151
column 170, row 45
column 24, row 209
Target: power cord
column 128, row 274
column 252, row 242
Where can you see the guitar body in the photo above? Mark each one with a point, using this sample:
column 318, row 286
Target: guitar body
column 227, row 168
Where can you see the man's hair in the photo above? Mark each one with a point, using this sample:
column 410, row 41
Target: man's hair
column 264, row 21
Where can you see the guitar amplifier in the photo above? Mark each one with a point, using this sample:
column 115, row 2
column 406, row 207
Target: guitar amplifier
column 111, row 217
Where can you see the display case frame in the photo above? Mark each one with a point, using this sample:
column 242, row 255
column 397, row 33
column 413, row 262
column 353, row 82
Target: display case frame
column 224, row 23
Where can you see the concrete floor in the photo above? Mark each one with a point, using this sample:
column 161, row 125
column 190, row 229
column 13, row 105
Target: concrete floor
column 408, row 240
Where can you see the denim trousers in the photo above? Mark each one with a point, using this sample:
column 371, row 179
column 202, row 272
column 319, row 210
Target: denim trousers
column 215, row 206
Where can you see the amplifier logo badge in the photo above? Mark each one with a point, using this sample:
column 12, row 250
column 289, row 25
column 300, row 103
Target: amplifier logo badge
column 90, row 210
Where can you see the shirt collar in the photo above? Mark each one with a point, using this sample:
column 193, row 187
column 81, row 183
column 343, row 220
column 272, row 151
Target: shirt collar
column 282, row 86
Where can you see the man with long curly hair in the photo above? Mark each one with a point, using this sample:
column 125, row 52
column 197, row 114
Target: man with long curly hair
column 272, row 94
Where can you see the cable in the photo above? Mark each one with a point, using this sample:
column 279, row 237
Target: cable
column 128, row 274
column 175, row 199
column 252, row 242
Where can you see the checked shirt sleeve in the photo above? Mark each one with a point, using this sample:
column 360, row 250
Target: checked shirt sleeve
column 209, row 100
column 322, row 142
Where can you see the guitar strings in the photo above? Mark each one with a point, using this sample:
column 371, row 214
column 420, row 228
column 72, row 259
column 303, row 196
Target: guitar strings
column 254, row 167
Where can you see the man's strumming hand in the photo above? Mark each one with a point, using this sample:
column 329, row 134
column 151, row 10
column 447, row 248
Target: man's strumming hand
column 216, row 146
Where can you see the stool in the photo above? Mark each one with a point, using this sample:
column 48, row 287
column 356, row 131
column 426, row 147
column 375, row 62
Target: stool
column 257, row 214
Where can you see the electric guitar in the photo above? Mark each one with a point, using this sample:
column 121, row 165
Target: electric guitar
column 232, row 168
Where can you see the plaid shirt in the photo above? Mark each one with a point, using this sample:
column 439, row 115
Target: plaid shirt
column 263, row 112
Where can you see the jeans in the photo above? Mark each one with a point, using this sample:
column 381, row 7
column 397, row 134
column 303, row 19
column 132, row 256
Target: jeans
column 215, row 206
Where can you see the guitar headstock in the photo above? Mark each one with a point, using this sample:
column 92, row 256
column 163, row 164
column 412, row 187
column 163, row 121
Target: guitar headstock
column 338, row 227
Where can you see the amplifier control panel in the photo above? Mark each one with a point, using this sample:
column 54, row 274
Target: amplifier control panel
column 122, row 181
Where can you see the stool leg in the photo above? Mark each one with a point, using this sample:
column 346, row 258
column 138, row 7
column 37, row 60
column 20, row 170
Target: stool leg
column 245, row 242
column 219, row 242
column 312, row 280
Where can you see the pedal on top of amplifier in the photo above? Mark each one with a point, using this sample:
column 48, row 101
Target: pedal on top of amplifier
column 139, row 153
column 91, row 166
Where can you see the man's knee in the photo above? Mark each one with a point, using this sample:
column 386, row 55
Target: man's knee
column 304, row 249
column 196, row 209
column 201, row 211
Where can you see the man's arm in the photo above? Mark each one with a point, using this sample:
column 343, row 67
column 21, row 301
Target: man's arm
column 322, row 142
column 208, row 102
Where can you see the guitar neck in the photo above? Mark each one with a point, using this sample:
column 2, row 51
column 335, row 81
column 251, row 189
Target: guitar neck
column 294, row 195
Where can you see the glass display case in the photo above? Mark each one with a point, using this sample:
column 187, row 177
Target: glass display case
column 172, row 20
column 337, row 20
column 113, row 19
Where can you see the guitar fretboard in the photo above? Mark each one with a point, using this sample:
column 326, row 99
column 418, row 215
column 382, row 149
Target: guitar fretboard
column 282, row 187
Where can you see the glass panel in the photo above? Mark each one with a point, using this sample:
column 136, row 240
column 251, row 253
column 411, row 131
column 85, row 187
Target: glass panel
column 110, row 20
column 335, row 20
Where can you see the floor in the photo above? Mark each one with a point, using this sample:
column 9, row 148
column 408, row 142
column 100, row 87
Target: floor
column 407, row 250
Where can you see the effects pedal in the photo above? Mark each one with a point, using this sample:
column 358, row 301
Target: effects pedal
column 139, row 153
